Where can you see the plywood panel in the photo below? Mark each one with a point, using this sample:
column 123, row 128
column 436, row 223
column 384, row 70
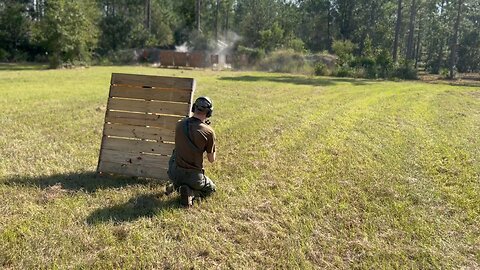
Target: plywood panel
column 147, row 106
column 146, row 160
column 132, row 170
column 139, row 132
column 137, row 146
column 151, row 81
column 174, row 95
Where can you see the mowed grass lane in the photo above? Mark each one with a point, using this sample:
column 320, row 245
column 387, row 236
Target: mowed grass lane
column 312, row 173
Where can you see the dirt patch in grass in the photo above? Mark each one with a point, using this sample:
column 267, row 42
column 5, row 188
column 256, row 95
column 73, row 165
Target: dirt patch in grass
column 470, row 79
column 475, row 94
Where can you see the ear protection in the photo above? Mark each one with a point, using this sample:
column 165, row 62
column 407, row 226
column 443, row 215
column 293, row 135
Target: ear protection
column 203, row 104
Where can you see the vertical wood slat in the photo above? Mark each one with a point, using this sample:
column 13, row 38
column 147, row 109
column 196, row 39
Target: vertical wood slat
column 146, row 108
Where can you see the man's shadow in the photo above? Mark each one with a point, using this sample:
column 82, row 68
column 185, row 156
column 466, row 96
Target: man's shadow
column 145, row 205
column 88, row 182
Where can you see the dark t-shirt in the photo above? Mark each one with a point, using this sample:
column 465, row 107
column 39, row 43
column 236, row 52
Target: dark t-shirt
column 202, row 135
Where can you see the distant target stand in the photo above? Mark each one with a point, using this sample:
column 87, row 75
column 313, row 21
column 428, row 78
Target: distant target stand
column 140, row 119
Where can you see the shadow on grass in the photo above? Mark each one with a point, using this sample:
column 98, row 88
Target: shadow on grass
column 147, row 205
column 85, row 181
column 298, row 80
column 22, row 66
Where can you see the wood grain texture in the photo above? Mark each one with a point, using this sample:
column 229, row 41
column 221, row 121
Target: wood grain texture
column 138, row 132
column 148, row 106
column 140, row 120
column 152, row 81
column 167, row 122
column 133, row 170
column 151, row 93
column 137, row 146
column 147, row 160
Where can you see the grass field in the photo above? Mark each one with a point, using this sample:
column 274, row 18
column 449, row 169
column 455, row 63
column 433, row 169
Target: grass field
column 313, row 172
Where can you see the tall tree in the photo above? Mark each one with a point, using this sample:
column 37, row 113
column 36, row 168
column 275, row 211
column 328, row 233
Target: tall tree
column 397, row 31
column 68, row 30
column 198, row 13
column 14, row 29
column 454, row 45
column 411, row 29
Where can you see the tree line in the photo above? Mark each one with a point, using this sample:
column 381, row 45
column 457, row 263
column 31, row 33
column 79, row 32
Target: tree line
column 437, row 35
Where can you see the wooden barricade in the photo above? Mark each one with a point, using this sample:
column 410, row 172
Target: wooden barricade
column 197, row 59
column 167, row 58
column 142, row 112
column 181, row 59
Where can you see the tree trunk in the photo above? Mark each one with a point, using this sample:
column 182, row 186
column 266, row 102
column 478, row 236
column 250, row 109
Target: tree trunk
column 227, row 15
column 411, row 29
column 329, row 22
column 197, row 13
column 453, row 51
column 216, row 19
column 148, row 15
column 418, row 50
column 397, row 32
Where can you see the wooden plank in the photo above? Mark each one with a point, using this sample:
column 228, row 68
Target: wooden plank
column 148, row 106
column 133, row 170
column 147, row 160
column 151, row 81
column 140, row 119
column 137, row 146
column 151, row 93
column 150, row 133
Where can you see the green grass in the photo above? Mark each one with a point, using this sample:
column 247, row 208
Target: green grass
column 312, row 173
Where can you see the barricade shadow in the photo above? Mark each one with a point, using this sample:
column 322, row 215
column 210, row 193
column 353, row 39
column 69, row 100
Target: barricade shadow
column 299, row 80
column 147, row 205
column 81, row 181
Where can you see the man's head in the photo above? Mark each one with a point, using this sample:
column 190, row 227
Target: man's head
column 203, row 105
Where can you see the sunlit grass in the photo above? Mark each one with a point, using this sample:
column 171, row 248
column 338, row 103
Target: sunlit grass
column 312, row 173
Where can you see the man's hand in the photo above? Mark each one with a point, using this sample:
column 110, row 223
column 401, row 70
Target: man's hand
column 211, row 157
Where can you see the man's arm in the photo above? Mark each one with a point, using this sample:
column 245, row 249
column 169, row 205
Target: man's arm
column 211, row 157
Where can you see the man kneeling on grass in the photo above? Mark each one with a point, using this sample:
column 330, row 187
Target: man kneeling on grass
column 193, row 137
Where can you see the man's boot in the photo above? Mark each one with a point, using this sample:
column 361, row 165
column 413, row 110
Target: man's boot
column 186, row 196
column 169, row 189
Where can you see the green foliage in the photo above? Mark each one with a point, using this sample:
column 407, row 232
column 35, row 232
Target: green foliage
column 384, row 63
column 321, row 69
column 68, row 31
column 246, row 57
column 286, row 61
column 344, row 50
column 297, row 45
column 406, row 70
column 4, row 55
column 344, row 71
column 272, row 38
column 14, row 30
